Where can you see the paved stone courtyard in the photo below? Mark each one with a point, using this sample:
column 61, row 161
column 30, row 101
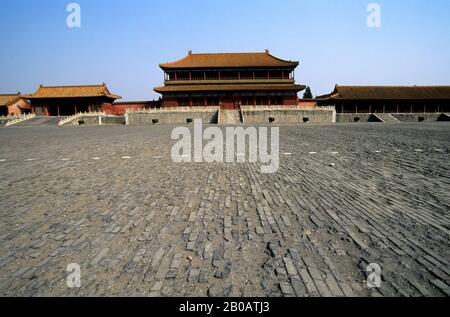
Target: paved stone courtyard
column 111, row 199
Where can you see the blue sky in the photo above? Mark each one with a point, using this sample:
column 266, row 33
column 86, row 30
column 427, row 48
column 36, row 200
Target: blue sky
column 121, row 42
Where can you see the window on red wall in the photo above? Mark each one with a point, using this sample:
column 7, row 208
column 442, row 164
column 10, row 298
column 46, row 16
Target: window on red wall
column 197, row 102
column 183, row 102
column 212, row 101
column 212, row 75
column 246, row 75
column 183, row 76
column 277, row 100
column 198, row 75
column 247, row 101
column 260, row 74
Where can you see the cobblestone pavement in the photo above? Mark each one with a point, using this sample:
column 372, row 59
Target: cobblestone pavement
column 111, row 199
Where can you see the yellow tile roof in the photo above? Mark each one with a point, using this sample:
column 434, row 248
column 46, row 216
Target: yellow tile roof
column 389, row 92
column 72, row 92
column 229, row 60
column 8, row 99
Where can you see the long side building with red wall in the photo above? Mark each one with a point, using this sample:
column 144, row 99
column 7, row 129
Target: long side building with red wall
column 69, row 100
column 388, row 99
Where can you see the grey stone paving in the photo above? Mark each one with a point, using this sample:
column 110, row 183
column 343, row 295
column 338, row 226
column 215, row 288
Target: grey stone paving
column 140, row 225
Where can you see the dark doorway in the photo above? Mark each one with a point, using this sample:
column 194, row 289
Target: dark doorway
column 67, row 108
column 3, row 111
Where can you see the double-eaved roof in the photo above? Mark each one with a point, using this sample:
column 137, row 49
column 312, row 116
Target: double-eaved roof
column 388, row 93
column 9, row 99
column 229, row 60
column 83, row 91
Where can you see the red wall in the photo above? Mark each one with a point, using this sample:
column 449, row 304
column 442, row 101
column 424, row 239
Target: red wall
column 307, row 103
column 227, row 103
column 169, row 102
column 119, row 109
column 290, row 100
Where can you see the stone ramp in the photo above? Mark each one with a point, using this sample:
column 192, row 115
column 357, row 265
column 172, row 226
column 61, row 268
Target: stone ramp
column 444, row 117
column 40, row 121
column 230, row 117
column 385, row 117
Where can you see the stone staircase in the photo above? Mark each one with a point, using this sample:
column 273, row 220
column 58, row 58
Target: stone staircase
column 40, row 121
column 82, row 115
column 230, row 117
column 15, row 120
column 385, row 117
